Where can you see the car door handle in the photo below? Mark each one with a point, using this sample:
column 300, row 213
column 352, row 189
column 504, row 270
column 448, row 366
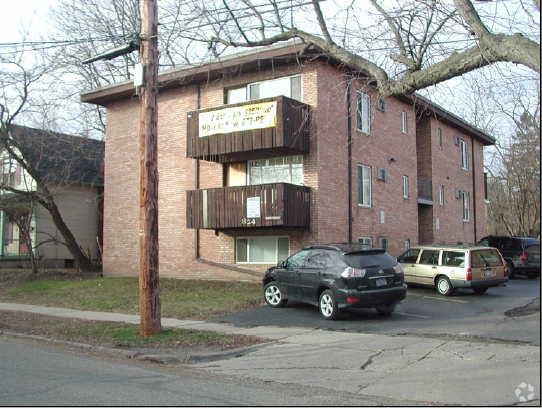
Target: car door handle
column 320, row 273
column 434, row 267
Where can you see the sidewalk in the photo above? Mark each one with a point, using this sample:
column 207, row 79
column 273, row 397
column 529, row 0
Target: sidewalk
column 424, row 370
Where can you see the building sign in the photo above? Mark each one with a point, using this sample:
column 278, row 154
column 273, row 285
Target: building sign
column 235, row 119
column 253, row 207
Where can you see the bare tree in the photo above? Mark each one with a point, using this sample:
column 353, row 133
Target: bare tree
column 45, row 162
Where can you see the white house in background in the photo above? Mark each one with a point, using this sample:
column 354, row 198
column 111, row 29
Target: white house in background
column 72, row 168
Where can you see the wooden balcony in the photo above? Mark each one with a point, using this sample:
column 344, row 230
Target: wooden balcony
column 271, row 205
column 276, row 126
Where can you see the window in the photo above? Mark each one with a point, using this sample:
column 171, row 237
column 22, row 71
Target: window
column 263, row 250
column 453, row 258
column 411, row 256
column 430, row 257
column 406, row 244
column 383, row 242
column 464, row 155
column 11, row 173
column 364, row 113
column 439, row 138
column 404, row 123
column 366, row 241
column 364, row 185
column 276, row 170
column 405, row 187
column 466, row 207
column 441, row 195
column 289, row 87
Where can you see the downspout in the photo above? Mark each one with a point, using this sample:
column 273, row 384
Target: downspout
column 349, row 124
column 474, row 190
column 196, row 232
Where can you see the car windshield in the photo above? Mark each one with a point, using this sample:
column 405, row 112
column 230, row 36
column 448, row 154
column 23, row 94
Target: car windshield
column 369, row 259
column 486, row 258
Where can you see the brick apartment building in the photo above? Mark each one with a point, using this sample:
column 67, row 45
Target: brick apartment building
column 264, row 152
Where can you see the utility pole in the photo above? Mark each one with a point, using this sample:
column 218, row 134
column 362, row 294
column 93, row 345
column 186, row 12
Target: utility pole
column 149, row 293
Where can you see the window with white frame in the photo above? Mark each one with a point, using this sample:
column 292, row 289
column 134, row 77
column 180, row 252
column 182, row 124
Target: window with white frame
column 364, row 185
column 366, row 241
column 439, row 137
column 404, row 122
column 405, row 186
column 466, row 207
column 441, row 195
column 262, row 250
column 11, row 173
column 364, row 113
column 288, row 169
column 464, row 155
column 406, row 244
column 288, row 86
column 383, row 243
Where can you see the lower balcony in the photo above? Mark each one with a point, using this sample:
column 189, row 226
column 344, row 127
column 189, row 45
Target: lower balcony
column 270, row 205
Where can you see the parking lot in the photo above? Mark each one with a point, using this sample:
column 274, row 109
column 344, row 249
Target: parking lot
column 464, row 315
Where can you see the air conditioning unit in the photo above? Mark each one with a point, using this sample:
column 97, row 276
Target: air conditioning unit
column 382, row 174
column 458, row 193
column 456, row 140
column 381, row 104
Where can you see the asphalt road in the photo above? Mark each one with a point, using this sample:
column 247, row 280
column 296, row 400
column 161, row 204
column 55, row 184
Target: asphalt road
column 424, row 312
column 33, row 374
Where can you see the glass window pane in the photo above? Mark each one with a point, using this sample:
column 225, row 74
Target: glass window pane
column 296, row 88
column 283, row 248
column 242, row 250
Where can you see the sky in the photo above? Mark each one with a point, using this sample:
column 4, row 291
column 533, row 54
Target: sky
column 16, row 14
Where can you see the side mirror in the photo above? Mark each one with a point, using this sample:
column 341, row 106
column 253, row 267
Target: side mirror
column 281, row 264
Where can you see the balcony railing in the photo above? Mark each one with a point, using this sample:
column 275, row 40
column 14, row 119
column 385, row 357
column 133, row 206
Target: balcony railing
column 277, row 126
column 270, row 205
column 425, row 191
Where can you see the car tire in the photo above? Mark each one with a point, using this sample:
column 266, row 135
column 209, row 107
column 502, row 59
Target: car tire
column 328, row 305
column 443, row 285
column 387, row 309
column 480, row 290
column 531, row 275
column 273, row 295
column 511, row 270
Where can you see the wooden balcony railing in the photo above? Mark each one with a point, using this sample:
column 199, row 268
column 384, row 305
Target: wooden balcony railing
column 277, row 126
column 425, row 191
column 270, row 205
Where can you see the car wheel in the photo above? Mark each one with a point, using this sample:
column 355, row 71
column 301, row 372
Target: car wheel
column 273, row 295
column 328, row 306
column 511, row 271
column 387, row 309
column 444, row 287
column 532, row 276
column 480, row 290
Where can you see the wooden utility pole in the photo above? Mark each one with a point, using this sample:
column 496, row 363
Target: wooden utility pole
column 149, row 293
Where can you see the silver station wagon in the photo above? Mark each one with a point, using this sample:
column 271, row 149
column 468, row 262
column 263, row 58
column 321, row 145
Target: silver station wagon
column 449, row 267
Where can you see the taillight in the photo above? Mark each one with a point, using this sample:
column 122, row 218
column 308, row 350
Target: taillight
column 523, row 256
column 469, row 274
column 350, row 272
column 505, row 269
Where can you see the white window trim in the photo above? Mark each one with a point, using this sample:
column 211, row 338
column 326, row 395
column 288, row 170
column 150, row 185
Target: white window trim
column 464, row 155
column 439, row 137
column 250, row 164
column 405, row 187
column 248, row 250
column 364, row 126
column 367, row 241
column 441, row 195
column 404, row 122
column 368, row 202
column 466, row 206
column 247, row 87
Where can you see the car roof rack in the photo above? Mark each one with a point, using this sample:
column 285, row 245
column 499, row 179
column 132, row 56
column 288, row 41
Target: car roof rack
column 351, row 247
column 453, row 244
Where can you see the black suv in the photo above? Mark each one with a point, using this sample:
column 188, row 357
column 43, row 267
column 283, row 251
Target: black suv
column 522, row 254
column 334, row 276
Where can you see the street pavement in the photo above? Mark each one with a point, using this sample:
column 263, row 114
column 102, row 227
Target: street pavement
column 430, row 371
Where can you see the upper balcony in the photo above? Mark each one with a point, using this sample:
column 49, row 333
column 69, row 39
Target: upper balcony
column 277, row 126
column 270, row 205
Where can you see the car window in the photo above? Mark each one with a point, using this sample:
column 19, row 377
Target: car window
column 317, row 259
column 512, row 245
column 297, row 259
column 370, row 259
column 485, row 258
column 484, row 242
column 410, row 256
column 429, row 257
column 453, row 258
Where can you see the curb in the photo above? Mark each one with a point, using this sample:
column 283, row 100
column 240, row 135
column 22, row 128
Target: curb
column 189, row 358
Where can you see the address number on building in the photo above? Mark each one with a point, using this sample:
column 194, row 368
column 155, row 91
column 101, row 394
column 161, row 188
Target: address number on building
column 248, row 222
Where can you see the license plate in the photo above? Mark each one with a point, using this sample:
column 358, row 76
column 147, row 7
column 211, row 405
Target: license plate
column 380, row 282
column 487, row 273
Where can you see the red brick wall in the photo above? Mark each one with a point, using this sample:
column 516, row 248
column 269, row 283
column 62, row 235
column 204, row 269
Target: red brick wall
column 325, row 172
